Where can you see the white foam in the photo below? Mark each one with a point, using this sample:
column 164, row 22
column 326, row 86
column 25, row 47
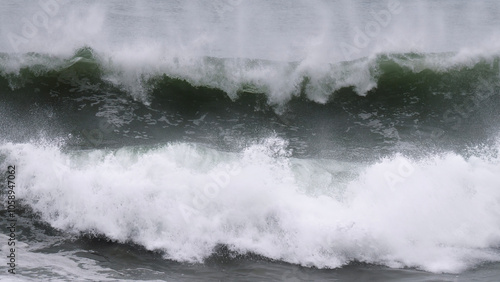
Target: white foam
column 440, row 214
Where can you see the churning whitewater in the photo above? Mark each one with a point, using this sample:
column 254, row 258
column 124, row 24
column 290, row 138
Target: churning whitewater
column 439, row 214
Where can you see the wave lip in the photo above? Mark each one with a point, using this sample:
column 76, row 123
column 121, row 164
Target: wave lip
column 439, row 214
column 280, row 81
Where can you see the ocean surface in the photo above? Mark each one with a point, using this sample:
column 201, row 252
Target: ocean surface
column 250, row 140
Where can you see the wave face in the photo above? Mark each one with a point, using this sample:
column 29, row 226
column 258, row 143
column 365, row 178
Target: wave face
column 416, row 74
column 318, row 133
column 438, row 100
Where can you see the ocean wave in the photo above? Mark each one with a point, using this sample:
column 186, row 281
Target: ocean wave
column 444, row 75
column 432, row 100
column 440, row 213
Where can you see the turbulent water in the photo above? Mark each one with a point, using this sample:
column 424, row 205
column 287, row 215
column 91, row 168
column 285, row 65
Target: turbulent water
column 251, row 140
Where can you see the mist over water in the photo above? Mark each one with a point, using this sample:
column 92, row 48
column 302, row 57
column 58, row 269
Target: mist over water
column 275, row 30
column 324, row 134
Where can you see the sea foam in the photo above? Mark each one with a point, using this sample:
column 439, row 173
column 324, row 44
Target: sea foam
column 439, row 213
